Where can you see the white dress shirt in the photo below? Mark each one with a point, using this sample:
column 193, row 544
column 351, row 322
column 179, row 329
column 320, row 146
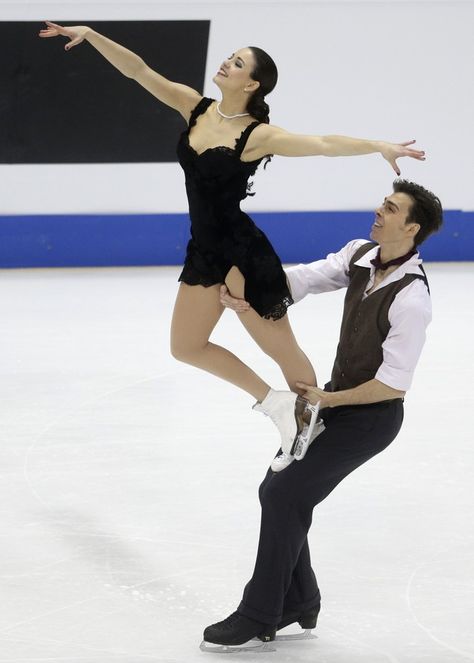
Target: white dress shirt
column 409, row 314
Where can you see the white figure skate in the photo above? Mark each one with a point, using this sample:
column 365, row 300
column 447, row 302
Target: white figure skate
column 286, row 410
column 310, row 432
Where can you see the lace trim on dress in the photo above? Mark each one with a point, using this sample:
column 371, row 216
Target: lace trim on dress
column 240, row 141
column 200, row 108
column 279, row 310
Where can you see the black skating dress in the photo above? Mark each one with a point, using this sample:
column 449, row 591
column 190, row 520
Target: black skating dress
column 221, row 234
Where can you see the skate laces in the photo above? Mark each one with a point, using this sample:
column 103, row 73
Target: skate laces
column 230, row 620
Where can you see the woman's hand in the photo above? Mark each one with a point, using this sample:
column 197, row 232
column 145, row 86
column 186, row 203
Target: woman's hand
column 237, row 305
column 393, row 151
column 75, row 33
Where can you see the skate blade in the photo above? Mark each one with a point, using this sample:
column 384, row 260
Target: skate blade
column 301, row 445
column 300, row 408
column 255, row 646
column 306, row 635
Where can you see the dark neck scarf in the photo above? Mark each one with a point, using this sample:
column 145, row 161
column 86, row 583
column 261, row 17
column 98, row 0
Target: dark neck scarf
column 378, row 264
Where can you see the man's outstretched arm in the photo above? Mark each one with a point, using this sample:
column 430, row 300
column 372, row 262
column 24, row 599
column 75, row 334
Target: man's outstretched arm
column 319, row 276
column 372, row 391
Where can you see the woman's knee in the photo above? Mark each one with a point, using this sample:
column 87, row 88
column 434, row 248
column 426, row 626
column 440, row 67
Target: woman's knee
column 186, row 350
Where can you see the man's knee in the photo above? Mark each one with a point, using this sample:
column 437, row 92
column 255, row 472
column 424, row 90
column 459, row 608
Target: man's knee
column 304, row 484
column 279, row 490
column 270, row 491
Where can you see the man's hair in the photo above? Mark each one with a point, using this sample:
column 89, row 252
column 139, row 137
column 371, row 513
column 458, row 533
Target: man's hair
column 426, row 209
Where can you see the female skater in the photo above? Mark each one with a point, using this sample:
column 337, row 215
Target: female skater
column 222, row 147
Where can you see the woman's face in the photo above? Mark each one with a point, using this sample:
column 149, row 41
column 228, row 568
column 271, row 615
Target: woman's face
column 235, row 72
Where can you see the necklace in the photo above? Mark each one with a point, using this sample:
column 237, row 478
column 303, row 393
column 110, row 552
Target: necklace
column 229, row 117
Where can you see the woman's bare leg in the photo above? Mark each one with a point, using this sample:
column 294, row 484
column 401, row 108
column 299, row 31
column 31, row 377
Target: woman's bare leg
column 275, row 337
column 196, row 313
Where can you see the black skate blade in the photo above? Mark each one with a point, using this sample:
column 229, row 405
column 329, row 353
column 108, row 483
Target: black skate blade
column 305, row 635
column 254, row 646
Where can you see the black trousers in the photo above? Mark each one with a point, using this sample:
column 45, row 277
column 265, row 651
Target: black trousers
column 283, row 581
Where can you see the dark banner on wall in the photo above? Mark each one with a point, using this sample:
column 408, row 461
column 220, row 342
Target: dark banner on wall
column 75, row 107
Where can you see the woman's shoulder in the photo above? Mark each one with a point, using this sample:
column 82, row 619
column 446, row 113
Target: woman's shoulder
column 203, row 103
column 200, row 108
column 259, row 133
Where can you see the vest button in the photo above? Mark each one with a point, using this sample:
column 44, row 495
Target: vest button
column 356, row 329
column 343, row 375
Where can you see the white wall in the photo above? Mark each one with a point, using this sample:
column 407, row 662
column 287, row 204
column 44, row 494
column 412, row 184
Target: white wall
column 393, row 70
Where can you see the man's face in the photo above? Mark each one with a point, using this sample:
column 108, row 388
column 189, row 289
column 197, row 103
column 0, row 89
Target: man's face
column 390, row 225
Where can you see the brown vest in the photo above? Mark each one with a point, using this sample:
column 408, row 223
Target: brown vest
column 364, row 325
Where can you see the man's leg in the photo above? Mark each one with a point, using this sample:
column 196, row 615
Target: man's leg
column 303, row 593
column 283, row 578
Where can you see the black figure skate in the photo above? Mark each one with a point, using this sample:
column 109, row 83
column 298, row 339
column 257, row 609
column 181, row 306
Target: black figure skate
column 307, row 620
column 238, row 633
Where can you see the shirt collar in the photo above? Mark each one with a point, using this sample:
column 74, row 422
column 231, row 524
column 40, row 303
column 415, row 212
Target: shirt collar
column 408, row 267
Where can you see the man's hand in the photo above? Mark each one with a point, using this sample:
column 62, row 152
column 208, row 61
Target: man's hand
column 315, row 395
column 372, row 391
column 237, row 305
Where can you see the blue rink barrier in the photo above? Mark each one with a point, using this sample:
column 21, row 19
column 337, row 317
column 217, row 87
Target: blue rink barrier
column 160, row 239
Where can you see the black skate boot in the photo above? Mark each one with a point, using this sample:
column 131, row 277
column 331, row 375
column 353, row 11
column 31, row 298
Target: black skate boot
column 233, row 633
column 307, row 620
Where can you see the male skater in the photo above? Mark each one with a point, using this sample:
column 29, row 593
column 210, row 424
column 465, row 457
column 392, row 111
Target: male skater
column 386, row 311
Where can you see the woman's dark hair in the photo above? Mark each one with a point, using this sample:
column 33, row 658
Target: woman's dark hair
column 266, row 73
column 426, row 209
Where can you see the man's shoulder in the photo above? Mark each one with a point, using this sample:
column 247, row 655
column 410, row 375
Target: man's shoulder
column 413, row 300
column 357, row 243
column 357, row 248
column 354, row 245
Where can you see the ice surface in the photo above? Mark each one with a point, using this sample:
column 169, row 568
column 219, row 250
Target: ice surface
column 128, row 492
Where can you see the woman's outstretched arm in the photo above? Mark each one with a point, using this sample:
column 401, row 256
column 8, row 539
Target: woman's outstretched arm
column 180, row 97
column 268, row 139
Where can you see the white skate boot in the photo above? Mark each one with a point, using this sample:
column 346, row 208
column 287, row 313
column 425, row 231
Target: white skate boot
column 310, row 432
column 286, row 410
